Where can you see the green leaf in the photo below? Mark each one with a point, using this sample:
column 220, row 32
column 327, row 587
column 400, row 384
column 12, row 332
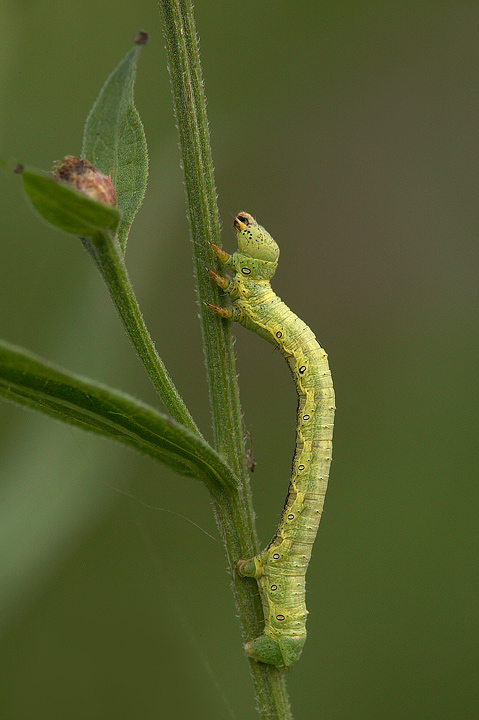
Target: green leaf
column 67, row 209
column 31, row 381
column 114, row 140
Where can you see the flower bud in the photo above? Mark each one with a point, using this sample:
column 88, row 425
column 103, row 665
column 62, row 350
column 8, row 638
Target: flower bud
column 85, row 178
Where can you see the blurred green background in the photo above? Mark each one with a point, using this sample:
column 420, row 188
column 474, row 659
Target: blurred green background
column 350, row 130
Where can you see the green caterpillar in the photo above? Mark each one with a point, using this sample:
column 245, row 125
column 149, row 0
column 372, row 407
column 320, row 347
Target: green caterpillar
column 280, row 569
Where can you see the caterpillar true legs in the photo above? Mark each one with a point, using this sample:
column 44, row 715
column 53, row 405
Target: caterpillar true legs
column 280, row 568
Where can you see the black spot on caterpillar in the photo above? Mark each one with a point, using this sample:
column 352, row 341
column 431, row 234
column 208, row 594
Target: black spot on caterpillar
column 280, row 569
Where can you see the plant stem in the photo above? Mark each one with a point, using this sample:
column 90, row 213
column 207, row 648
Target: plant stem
column 233, row 510
column 190, row 111
column 234, row 521
column 108, row 257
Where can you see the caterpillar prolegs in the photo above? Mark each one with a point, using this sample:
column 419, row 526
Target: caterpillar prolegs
column 280, row 568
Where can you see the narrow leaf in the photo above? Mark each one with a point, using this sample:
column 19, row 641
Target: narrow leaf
column 114, row 140
column 31, row 381
column 65, row 208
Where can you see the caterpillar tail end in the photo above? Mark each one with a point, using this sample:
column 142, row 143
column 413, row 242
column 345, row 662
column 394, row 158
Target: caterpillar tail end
column 282, row 653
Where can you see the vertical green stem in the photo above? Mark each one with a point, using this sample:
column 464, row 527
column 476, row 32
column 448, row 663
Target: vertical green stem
column 190, row 110
column 234, row 512
column 235, row 526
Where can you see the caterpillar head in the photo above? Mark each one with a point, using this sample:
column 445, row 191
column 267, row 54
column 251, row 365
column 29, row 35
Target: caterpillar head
column 254, row 240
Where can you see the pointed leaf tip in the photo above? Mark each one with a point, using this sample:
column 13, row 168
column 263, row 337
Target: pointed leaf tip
column 114, row 140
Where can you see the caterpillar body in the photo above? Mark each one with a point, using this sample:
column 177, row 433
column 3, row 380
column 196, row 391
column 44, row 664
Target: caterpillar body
column 280, row 569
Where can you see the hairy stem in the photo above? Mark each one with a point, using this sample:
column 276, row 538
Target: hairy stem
column 190, row 111
column 233, row 509
column 109, row 259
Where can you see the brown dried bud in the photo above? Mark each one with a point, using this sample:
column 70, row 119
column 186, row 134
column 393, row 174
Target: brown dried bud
column 141, row 38
column 85, row 178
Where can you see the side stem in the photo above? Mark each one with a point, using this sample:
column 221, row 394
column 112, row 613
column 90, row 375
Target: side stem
column 108, row 257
